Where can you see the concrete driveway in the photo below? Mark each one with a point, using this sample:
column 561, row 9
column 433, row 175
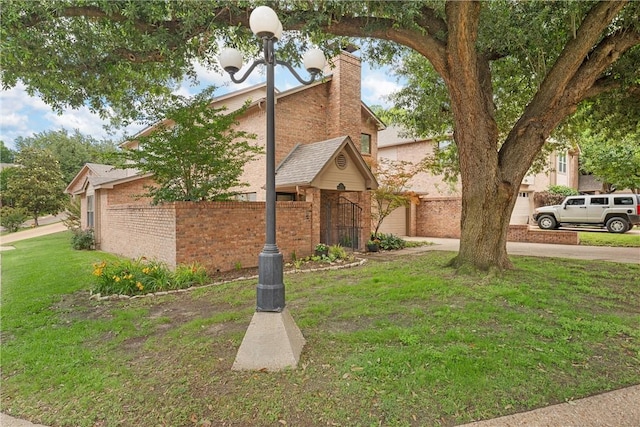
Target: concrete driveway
column 600, row 253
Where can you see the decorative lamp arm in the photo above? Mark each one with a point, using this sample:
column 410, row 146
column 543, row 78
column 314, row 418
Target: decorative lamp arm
column 314, row 74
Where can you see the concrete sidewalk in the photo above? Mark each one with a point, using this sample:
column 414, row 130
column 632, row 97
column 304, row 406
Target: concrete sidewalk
column 619, row 408
column 42, row 230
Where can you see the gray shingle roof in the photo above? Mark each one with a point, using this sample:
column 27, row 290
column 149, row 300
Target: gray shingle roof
column 110, row 173
column 305, row 161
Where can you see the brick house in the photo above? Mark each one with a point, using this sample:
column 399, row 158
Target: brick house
column 438, row 212
column 324, row 135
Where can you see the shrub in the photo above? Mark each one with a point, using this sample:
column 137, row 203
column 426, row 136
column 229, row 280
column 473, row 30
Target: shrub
column 337, row 252
column 553, row 196
column 12, row 218
column 563, row 190
column 83, row 240
column 189, row 275
column 141, row 276
column 391, row 242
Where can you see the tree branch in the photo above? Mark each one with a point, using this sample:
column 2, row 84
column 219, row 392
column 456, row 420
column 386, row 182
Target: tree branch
column 573, row 56
column 588, row 80
column 571, row 77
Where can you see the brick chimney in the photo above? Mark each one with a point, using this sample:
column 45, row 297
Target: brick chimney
column 343, row 112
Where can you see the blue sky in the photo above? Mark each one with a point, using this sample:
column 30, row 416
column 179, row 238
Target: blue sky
column 22, row 115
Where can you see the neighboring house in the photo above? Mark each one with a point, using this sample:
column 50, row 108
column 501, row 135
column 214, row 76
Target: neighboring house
column 438, row 212
column 324, row 133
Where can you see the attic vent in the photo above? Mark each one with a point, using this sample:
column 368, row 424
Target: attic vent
column 341, row 161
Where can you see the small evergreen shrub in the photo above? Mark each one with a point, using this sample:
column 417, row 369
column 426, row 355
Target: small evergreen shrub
column 563, row 190
column 12, row 218
column 83, row 240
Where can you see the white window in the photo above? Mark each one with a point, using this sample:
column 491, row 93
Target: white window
column 246, row 197
column 562, row 163
column 365, row 143
column 90, row 211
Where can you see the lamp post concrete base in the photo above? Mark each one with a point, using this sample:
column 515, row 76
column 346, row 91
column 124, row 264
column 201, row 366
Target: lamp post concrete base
column 273, row 342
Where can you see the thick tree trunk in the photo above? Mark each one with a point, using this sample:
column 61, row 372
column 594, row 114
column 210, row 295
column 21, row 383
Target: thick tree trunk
column 487, row 196
column 486, row 211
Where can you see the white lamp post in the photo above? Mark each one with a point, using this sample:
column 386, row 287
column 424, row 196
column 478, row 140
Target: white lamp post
column 270, row 293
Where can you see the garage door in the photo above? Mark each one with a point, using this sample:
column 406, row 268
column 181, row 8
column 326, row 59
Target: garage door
column 521, row 210
column 395, row 223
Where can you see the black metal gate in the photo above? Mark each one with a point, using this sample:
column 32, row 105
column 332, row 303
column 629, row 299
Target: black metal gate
column 344, row 226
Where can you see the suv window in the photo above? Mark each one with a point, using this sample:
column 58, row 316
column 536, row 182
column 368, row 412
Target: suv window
column 575, row 202
column 623, row 200
column 599, row 200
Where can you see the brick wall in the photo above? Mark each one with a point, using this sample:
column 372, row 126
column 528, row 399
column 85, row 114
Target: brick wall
column 522, row 233
column 344, row 97
column 225, row 235
column 140, row 230
column 219, row 235
column 130, row 193
column 440, row 217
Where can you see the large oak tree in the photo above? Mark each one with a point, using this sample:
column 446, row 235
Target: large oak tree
column 122, row 54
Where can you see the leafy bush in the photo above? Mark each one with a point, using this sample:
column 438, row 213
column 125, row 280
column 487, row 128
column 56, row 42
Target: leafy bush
column 12, row 218
column 553, row 196
column 141, row 276
column 83, row 240
column 189, row 275
column 337, row 252
column 563, row 190
column 321, row 247
column 391, row 242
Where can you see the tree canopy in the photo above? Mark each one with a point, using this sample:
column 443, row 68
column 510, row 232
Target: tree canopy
column 37, row 184
column 6, row 154
column 71, row 150
column 116, row 56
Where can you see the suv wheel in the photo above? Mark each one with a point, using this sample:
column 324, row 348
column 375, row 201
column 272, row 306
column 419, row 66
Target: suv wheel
column 547, row 222
column 617, row 225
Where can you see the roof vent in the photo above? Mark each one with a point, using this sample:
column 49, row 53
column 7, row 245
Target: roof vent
column 341, row 161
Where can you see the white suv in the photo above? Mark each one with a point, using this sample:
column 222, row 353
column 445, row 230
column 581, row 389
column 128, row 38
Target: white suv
column 618, row 212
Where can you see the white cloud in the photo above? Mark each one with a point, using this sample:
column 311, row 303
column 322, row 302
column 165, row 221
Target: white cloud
column 82, row 119
column 377, row 86
column 17, row 109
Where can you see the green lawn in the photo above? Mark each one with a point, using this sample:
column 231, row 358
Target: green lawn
column 394, row 343
column 591, row 238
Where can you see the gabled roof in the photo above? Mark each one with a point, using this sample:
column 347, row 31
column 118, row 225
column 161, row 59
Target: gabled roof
column 99, row 175
column 306, row 162
column 237, row 98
